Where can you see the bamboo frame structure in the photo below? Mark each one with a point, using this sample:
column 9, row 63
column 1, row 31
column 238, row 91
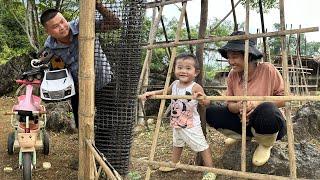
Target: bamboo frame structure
column 288, row 98
column 228, row 38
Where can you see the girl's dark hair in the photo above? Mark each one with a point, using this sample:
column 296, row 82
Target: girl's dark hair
column 184, row 56
column 47, row 15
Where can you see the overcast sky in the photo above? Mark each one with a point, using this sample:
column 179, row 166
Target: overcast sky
column 297, row 12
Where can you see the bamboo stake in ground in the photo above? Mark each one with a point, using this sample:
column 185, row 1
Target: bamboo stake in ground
column 292, row 158
column 86, row 87
column 245, row 87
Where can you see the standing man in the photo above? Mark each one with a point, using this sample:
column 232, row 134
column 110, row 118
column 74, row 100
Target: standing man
column 63, row 42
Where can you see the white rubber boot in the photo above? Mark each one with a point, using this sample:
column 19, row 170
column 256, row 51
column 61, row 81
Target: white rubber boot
column 232, row 137
column 262, row 154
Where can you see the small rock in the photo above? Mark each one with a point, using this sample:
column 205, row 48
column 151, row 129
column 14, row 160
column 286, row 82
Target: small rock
column 139, row 129
column 150, row 121
column 7, row 169
column 46, row 165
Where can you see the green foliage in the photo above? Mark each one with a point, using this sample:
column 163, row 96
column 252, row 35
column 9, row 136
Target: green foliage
column 13, row 40
column 134, row 175
column 69, row 8
column 266, row 4
column 306, row 48
column 7, row 53
column 313, row 49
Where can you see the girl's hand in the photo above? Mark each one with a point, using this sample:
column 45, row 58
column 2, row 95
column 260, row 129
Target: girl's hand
column 202, row 102
column 146, row 95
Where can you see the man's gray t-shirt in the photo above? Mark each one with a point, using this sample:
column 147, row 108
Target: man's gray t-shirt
column 70, row 55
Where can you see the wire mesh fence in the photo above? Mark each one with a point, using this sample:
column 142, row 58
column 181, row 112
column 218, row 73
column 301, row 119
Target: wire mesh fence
column 115, row 96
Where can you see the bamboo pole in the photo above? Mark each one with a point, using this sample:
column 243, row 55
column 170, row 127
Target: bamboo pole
column 152, row 36
column 200, row 79
column 162, row 104
column 228, row 38
column 86, row 87
column 263, row 31
column 188, row 31
column 235, row 26
column 243, row 98
column 225, row 17
column 104, row 166
column 225, row 172
column 245, row 87
column 292, row 158
column 163, row 3
column 145, row 68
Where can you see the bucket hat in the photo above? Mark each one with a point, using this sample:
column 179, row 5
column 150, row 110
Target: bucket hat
column 239, row 46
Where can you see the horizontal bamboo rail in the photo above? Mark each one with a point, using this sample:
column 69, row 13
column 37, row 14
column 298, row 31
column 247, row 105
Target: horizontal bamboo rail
column 242, row 98
column 214, row 170
column 155, row 4
column 228, row 38
column 106, row 169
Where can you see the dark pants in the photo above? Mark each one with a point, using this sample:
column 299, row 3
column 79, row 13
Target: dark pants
column 75, row 107
column 265, row 119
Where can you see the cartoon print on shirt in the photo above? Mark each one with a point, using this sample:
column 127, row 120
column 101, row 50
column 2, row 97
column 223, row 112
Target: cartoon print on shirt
column 182, row 113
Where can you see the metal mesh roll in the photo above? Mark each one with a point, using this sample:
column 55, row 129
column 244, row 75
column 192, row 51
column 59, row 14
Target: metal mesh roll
column 116, row 100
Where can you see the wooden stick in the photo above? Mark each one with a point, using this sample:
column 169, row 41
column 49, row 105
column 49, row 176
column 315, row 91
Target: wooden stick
column 106, row 169
column 155, row 4
column 292, row 158
column 86, row 87
column 228, row 38
column 214, row 170
column 152, row 36
column 226, row 16
column 245, row 87
column 243, row 98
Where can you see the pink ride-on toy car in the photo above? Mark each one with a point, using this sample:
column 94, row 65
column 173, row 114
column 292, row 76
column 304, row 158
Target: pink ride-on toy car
column 28, row 119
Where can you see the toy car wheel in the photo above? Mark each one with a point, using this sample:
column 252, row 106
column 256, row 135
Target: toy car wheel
column 38, row 76
column 26, row 162
column 46, row 143
column 10, row 144
column 30, row 78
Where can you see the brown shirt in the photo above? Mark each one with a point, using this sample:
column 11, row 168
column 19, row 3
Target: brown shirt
column 264, row 81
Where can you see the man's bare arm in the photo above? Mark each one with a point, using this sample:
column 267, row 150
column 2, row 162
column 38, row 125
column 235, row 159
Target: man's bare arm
column 109, row 22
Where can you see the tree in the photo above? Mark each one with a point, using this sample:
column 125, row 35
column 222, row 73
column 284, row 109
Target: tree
column 19, row 24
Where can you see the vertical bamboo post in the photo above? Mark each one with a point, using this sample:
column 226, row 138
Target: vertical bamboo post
column 265, row 58
column 199, row 54
column 235, row 27
column 292, row 158
column 244, row 114
column 152, row 35
column 143, row 80
column 86, row 88
column 166, row 86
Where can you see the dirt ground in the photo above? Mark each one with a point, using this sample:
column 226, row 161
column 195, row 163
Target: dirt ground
column 64, row 150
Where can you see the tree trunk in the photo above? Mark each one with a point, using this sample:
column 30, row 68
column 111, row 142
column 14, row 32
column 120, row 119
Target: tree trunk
column 199, row 53
column 31, row 24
